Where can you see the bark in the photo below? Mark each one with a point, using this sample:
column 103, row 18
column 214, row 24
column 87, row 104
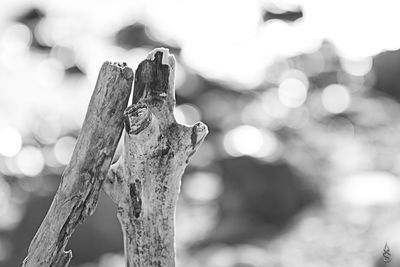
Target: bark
column 145, row 181
column 77, row 195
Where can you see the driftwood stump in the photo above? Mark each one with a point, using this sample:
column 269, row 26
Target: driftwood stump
column 144, row 182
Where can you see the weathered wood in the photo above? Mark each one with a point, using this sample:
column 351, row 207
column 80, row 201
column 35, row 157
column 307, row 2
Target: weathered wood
column 145, row 181
column 77, row 195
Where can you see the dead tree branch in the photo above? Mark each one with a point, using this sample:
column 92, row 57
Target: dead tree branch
column 77, row 195
column 145, row 181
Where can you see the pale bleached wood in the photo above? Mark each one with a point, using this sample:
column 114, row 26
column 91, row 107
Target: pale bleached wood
column 77, row 195
column 145, row 181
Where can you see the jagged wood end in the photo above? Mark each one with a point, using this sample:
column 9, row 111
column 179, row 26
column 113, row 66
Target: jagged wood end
column 145, row 181
column 81, row 181
column 64, row 259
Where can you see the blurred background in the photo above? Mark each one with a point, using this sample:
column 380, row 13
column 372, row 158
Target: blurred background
column 301, row 166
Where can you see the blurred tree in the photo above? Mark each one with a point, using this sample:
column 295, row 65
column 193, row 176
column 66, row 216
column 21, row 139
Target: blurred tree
column 387, row 73
column 136, row 35
column 31, row 19
column 258, row 200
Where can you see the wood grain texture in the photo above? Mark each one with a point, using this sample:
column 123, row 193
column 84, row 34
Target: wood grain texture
column 145, row 181
column 77, row 195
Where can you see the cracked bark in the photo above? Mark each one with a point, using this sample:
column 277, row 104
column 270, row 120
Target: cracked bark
column 145, row 181
column 77, row 195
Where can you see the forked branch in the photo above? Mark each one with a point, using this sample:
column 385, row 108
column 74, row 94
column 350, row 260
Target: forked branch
column 145, row 181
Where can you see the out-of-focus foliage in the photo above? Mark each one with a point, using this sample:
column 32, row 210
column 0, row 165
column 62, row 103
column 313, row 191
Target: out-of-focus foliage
column 301, row 164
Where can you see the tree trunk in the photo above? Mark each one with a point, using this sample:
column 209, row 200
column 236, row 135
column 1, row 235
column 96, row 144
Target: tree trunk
column 145, row 181
column 77, row 195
